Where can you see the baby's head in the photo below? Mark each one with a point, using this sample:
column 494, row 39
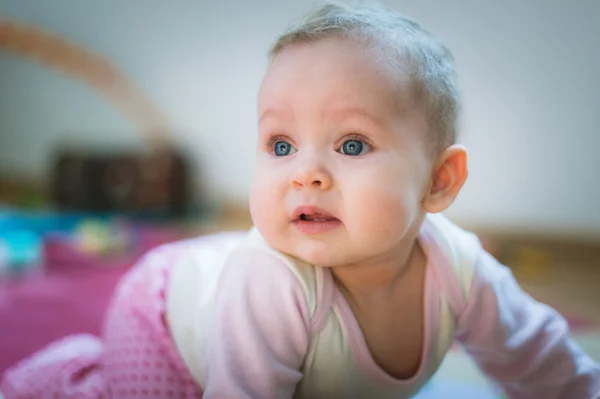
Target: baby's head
column 357, row 124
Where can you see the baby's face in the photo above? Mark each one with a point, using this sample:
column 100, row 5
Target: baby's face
column 342, row 161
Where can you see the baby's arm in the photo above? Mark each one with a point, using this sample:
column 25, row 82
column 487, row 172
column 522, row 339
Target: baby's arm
column 260, row 330
column 520, row 343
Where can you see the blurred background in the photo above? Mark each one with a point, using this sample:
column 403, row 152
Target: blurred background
column 124, row 125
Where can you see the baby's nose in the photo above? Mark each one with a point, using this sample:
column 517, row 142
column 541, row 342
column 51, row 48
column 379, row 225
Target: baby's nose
column 313, row 177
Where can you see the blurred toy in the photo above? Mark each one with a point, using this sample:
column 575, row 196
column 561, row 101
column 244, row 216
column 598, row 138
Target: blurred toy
column 39, row 222
column 33, row 240
column 20, row 252
column 100, row 238
column 25, row 238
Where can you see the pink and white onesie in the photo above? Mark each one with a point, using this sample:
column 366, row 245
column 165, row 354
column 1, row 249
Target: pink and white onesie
column 227, row 316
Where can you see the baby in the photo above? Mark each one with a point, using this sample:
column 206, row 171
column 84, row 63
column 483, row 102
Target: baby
column 351, row 284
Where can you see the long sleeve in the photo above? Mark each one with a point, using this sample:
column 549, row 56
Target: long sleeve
column 522, row 345
column 259, row 334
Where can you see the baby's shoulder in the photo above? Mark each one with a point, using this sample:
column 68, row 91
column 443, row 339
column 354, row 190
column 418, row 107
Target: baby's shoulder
column 453, row 252
column 253, row 258
column 253, row 251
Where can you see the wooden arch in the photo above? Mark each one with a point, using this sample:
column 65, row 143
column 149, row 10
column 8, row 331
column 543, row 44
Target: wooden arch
column 75, row 61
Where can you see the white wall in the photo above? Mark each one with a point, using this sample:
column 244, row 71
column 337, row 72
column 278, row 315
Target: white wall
column 528, row 71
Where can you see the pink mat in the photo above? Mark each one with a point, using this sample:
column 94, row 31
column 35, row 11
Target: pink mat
column 66, row 298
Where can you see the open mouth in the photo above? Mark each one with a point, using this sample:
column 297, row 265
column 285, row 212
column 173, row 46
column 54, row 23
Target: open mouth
column 314, row 220
column 316, row 217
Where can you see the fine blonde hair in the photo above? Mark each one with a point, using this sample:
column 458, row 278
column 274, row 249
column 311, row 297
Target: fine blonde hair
column 403, row 46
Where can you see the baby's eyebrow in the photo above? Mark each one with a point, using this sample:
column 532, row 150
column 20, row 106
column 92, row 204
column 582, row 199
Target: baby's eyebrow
column 348, row 112
column 338, row 114
column 274, row 112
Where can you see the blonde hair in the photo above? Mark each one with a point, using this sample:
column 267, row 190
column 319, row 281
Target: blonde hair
column 408, row 50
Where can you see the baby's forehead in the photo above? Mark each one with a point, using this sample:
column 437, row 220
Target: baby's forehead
column 389, row 57
column 341, row 64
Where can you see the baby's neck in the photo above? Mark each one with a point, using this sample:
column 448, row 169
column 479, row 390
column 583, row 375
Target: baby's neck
column 380, row 275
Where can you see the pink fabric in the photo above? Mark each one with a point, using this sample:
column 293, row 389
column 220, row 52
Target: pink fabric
column 260, row 332
column 522, row 345
column 325, row 294
column 134, row 359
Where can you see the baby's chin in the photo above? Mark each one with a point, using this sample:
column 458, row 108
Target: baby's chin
column 317, row 254
column 317, row 251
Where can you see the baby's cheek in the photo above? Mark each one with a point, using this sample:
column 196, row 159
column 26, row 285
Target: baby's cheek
column 385, row 212
column 386, row 215
column 267, row 211
column 261, row 201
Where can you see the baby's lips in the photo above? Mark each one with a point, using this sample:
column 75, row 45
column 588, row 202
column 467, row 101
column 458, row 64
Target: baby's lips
column 312, row 210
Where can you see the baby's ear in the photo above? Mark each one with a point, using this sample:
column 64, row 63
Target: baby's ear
column 448, row 177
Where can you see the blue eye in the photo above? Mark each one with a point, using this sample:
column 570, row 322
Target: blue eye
column 354, row 147
column 282, row 148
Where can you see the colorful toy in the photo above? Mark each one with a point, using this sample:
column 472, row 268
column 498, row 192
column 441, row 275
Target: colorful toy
column 96, row 237
column 27, row 238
